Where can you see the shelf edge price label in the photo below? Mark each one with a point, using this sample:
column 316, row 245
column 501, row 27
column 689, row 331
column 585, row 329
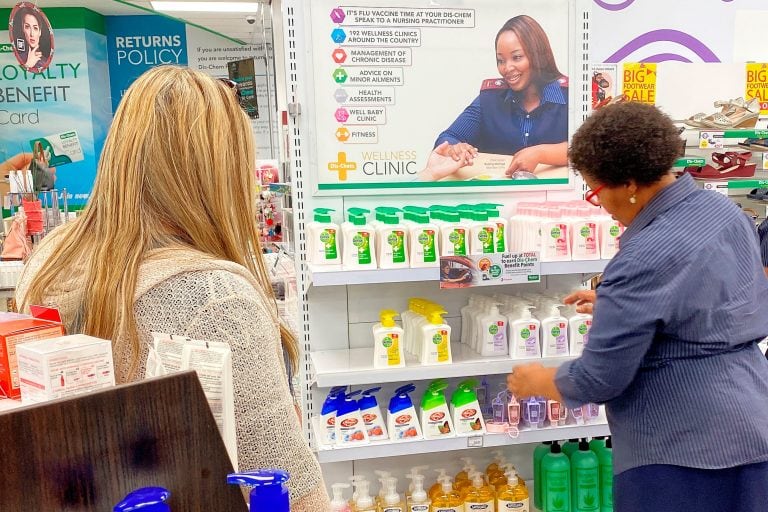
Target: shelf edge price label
column 721, row 187
column 710, row 140
column 475, row 442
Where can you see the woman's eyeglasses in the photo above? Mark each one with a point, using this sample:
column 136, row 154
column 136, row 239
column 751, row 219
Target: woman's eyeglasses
column 592, row 197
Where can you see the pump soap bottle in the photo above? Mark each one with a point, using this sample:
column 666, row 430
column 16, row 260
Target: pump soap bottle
column 402, row 420
column 447, row 500
column 419, row 501
column 359, row 241
column 479, row 496
column 436, row 339
column 338, row 503
column 388, row 342
column 350, row 427
column 556, row 475
column 269, row 494
column 538, row 489
column 467, row 417
column 391, row 502
column 324, row 239
column 585, row 477
column 375, row 423
column 554, row 329
column 513, row 497
column 435, row 416
column 146, row 499
column 605, row 457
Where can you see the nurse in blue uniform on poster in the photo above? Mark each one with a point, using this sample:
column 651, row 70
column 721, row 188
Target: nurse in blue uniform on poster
column 524, row 113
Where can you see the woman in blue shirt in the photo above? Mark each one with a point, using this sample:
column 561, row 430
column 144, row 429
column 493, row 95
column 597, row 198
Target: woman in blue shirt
column 673, row 351
column 524, row 113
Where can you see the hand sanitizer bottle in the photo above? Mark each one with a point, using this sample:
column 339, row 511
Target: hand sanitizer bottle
column 436, row 338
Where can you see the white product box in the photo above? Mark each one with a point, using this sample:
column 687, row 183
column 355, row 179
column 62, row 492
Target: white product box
column 64, row 366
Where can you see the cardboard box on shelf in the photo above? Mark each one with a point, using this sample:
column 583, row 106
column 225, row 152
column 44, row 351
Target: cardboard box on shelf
column 63, row 367
column 17, row 329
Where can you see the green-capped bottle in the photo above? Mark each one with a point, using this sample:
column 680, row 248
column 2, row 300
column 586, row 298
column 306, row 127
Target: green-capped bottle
column 605, row 457
column 585, row 480
column 571, row 447
column 556, row 476
column 538, row 454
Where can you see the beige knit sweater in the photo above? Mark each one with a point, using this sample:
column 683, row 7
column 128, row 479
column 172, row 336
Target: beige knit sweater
column 190, row 294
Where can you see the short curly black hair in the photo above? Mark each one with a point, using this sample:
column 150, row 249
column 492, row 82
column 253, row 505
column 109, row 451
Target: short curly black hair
column 624, row 142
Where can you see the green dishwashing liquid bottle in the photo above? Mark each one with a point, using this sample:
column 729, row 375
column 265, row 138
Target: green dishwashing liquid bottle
column 556, row 476
column 571, row 447
column 605, row 457
column 538, row 454
column 597, row 444
column 585, row 479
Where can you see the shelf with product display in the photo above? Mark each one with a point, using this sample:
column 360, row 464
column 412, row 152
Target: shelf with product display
column 337, row 276
column 355, row 366
column 382, row 449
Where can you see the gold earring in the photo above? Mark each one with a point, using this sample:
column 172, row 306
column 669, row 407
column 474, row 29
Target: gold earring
column 633, row 199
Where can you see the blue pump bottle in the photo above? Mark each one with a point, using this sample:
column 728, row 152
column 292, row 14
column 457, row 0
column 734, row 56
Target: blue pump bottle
column 269, row 494
column 147, row 499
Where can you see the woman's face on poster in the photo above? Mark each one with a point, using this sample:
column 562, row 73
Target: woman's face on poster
column 31, row 31
column 512, row 62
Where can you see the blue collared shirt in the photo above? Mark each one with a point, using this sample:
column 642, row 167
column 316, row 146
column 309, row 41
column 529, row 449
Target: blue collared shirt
column 673, row 348
column 762, row 231
column 497, row 123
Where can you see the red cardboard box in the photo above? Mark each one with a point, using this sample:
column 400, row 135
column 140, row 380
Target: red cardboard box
column 13, row 331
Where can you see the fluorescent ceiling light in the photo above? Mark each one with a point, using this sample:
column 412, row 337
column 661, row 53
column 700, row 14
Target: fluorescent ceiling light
column 247, row 7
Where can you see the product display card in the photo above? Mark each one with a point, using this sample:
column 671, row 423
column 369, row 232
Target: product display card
column 405, row 96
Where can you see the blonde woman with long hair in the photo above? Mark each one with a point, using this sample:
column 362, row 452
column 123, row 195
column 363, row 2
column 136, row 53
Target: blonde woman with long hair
column 169, row 243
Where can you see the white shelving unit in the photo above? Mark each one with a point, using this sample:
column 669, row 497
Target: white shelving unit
column 354, row 367
column 384, row 449
column 337, row 307
column 336, row 276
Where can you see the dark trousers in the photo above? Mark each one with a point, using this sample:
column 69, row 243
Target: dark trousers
column 663, row 488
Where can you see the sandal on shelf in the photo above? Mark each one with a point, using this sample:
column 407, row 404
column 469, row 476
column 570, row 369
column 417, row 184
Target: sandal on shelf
column 740, row 116
column 758, row 194
column 698, row 120
column 730, row 165
column 756, row 144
